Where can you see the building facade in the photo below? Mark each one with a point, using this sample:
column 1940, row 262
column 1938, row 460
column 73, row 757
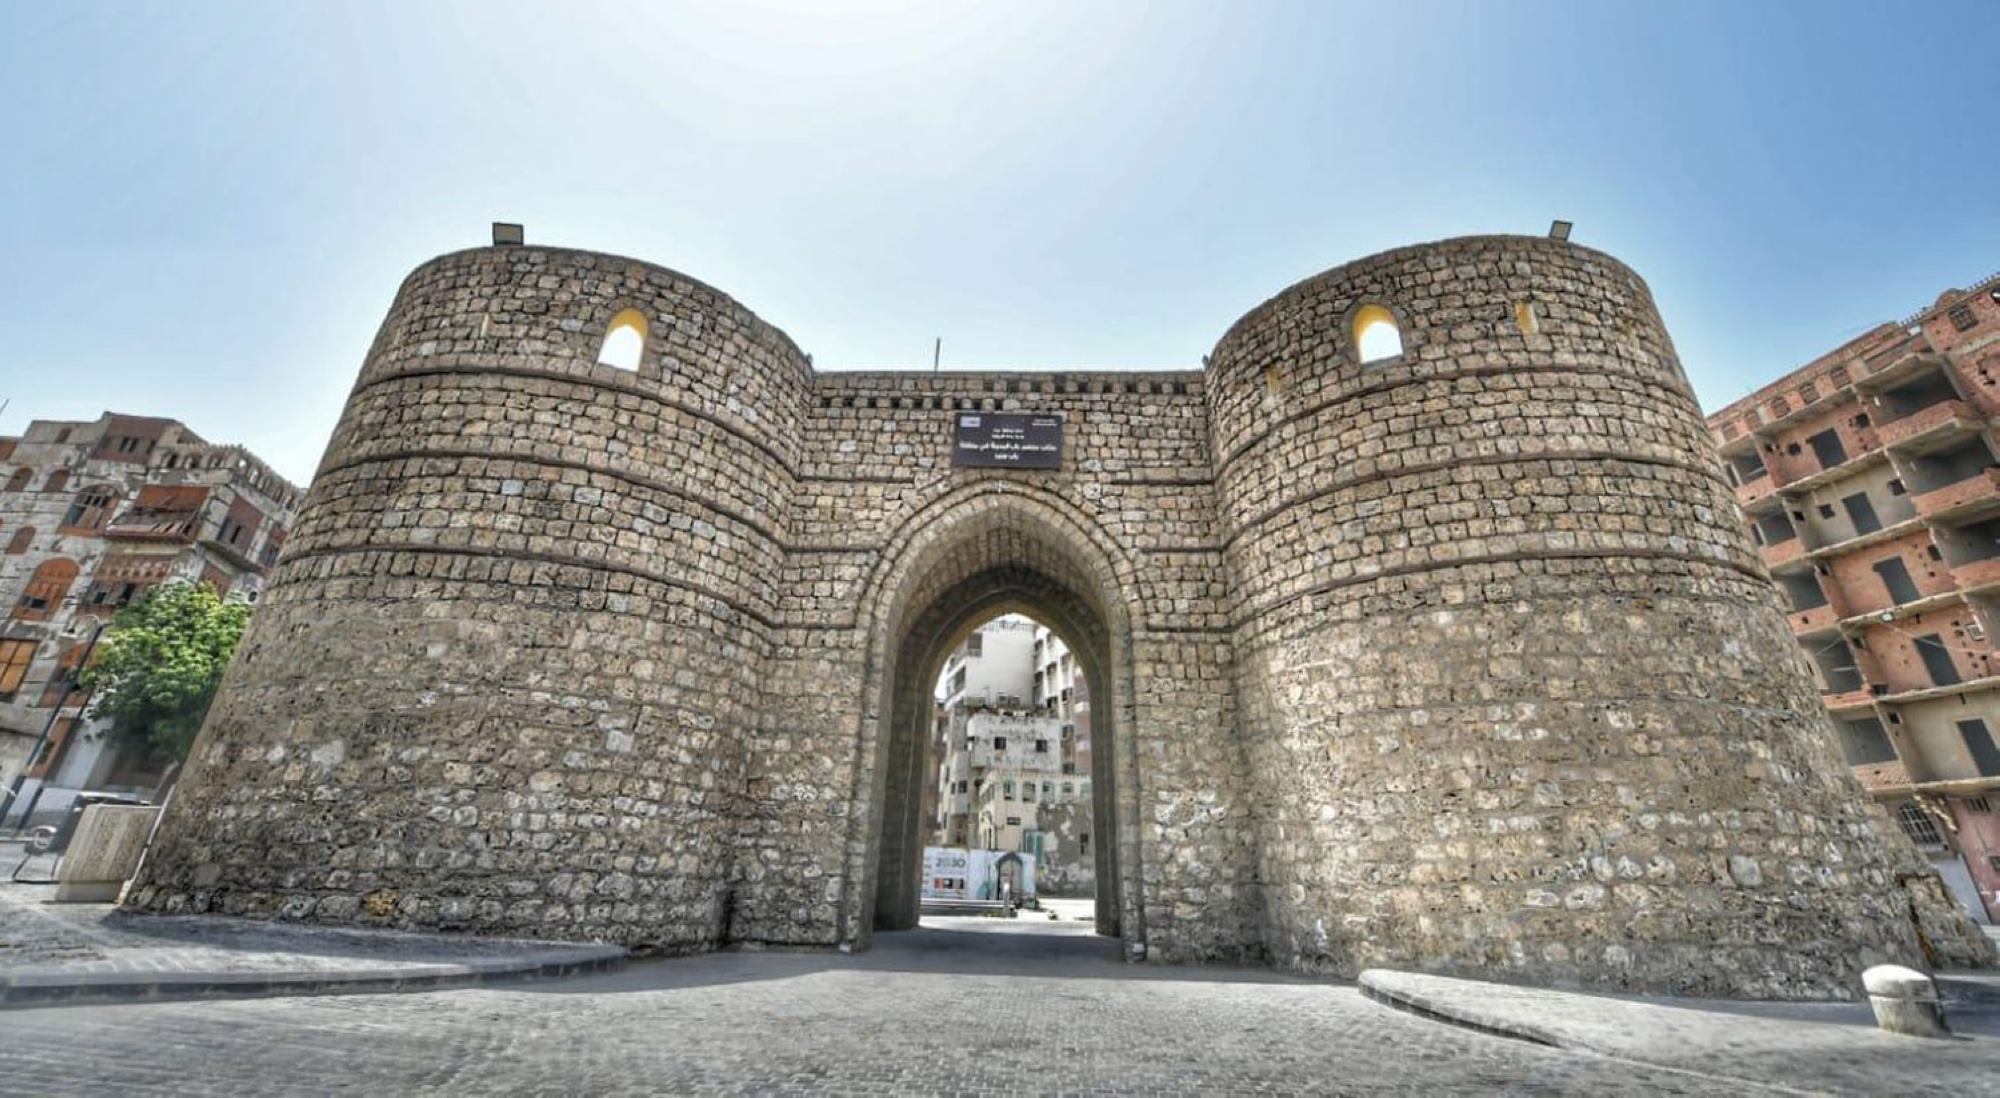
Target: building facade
column 1062, row 691
column 1008, row 751
column 1869, row 481
column 91, row 515
column 1418, row 625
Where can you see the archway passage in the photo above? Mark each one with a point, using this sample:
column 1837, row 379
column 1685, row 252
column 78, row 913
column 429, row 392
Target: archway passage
column 995, row 562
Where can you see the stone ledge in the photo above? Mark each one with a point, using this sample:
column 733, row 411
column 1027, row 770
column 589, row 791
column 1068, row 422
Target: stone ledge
column 1722, row 1046
column 28, row 988
column 1407, row 992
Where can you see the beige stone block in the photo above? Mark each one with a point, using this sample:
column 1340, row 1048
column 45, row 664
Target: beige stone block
column 104, row 853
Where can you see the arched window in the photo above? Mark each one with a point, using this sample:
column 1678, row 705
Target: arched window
column 1376, row 336
column 19, row 481
column 57, row 481
column 46, row 589
column 624, row 341
column 91, row 508
column 19, row 543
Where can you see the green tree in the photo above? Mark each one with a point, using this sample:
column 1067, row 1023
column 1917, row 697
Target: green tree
column 157, row 666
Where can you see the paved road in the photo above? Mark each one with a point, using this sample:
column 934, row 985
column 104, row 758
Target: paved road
column 1006, row 1007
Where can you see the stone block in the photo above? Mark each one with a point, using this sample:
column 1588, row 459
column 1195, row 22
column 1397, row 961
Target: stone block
column 1905, row 1001
column 104, row 853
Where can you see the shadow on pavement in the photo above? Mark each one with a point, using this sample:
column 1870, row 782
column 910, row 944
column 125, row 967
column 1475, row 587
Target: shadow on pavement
column 955, row 946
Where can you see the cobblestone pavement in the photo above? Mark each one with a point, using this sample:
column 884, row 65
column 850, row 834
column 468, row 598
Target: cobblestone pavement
column 44, row 945
column 96, row 938
column 1836, row 1046
column 1008, row 1007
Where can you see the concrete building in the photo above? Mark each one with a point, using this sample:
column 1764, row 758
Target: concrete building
column 993, row 669
column 1007, row 771
column 1062, row 690
column 91, row 515
column 1870, row 484
column 1419, row 628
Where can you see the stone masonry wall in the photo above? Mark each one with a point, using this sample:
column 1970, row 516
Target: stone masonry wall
column 1457, row 661
column 1521, row 700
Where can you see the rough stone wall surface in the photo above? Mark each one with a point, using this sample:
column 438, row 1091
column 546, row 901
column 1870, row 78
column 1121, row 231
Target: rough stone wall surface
column 1457, row 661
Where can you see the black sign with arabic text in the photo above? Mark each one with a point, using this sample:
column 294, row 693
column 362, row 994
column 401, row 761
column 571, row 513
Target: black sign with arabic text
column 1007, row 440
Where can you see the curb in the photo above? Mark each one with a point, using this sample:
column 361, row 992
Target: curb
column 1373, row 986
column 28, row 990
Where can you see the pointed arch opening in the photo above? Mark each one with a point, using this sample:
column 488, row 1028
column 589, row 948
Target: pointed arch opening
column 996, row 559
column 1377, row 336
column 624, row 343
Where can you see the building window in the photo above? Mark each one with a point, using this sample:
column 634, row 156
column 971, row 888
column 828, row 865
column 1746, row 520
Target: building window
column 1896, row 488
column 1027, row 791
column 91, row 509
column 15, row 656
column 57, row 481
column 1864, row 741
column 1895, row 577
column 975, row 645
column 1376, row 336
column 1918, row 825
column 1977, row 804
column 18, row 544
column 1979, row 742
column 999, row 743
column 1962, row 318
column 1937, row 659
column 1041, row 747
column 46, row 589
column 19, row 481
column 1526, row 319
column 1007, row 790
column 1861, row 513
column 624, row 341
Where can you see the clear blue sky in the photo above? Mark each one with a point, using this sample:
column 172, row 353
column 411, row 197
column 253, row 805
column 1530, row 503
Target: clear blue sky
column 205, row 208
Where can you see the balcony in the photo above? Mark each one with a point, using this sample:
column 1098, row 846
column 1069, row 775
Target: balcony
column 1982, row 488
column 1882, row 776
column 1752, row 491
column 1976, row 685
column 1784, row 554
column 1899, row 361
column 1819, row 619
column 1977, row 575
column 1944, row 421
column 1847, row 701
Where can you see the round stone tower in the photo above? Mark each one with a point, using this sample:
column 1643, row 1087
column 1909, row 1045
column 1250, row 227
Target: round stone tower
column 1519, row 695
column 504, row 677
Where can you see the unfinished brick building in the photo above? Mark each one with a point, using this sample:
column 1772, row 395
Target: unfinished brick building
column 1418, row 630
column 1869, row 480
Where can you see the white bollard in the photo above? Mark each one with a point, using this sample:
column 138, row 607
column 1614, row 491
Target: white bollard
column 1905, row 1001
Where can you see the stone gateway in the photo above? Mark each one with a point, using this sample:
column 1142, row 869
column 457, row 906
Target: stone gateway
column 1451, row 657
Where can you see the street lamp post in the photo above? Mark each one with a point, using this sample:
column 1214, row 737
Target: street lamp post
column 41, row 744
